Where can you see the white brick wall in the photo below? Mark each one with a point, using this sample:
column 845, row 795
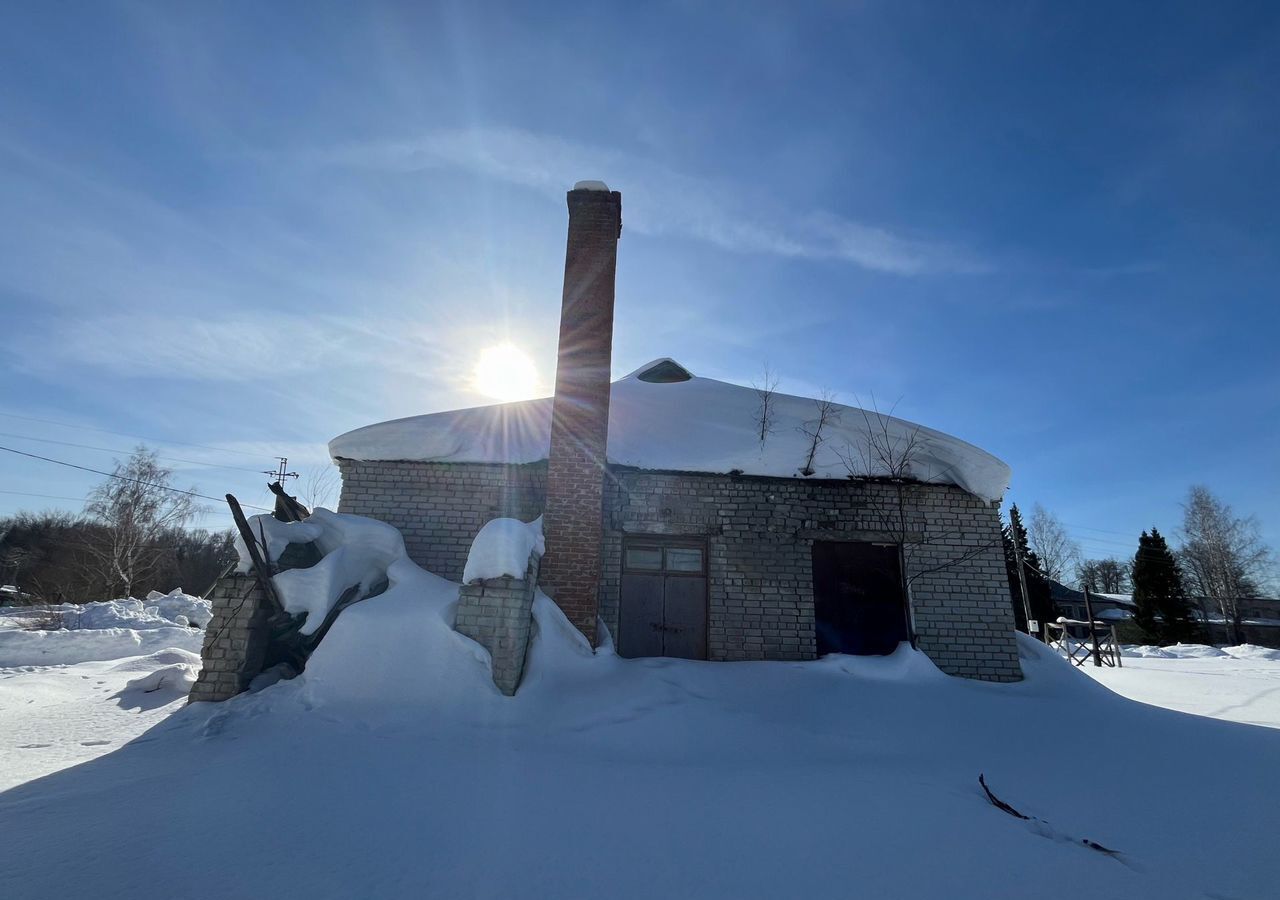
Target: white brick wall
column 759, row 533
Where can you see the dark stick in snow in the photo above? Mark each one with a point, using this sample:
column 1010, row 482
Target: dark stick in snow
column 1005, row 807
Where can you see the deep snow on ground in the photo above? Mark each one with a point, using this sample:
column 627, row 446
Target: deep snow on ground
column 1241, row 684
column 392, row 768
column 72, row 694
column 52, row 717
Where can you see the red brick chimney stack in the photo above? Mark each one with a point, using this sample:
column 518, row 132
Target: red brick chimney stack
column 572, row 520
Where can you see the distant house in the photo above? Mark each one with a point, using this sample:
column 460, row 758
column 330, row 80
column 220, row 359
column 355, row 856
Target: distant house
column 10, row 595
column 690, row 521
column 1069, row 603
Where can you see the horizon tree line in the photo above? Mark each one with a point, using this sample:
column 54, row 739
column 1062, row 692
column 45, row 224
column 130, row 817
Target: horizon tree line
column 1220, row 561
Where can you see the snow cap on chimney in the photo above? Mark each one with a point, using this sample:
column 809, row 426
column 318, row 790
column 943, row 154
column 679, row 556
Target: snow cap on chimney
column 591, row 186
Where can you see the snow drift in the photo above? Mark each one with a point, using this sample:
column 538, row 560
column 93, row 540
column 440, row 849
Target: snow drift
column 107, row 629
column 355, row 552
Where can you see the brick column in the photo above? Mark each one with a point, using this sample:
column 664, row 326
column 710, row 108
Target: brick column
column 580, row 411
column 497, row 613
column 235, row 641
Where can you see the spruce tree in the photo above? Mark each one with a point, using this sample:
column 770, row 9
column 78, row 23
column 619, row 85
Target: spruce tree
column 1159, row 596
column 1146, row 587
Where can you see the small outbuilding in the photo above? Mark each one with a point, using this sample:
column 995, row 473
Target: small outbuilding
column 701, row 519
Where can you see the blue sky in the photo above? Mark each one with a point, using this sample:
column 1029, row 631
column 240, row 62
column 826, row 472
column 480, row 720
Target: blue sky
column 1050, row 229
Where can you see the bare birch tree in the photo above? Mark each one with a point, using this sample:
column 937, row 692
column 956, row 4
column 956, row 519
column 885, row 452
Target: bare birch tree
column 135, row 509
column 827, row 414
column 889, row 456
column 319, row 487
column 765, row 390
column 1103, row 576
column 1223, row 555
column 1051, row 543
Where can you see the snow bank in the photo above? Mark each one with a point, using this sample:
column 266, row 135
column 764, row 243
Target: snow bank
column 176, row 606
column 398, row 651
column 699, row 425
column 65, row 647
column 502, row 547
column 1252, row 651
column 1201, row 651
column 157, row 611
column 172, row 671
column 1176, row 651
column 106, row 629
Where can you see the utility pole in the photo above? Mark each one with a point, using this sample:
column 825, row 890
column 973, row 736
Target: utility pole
column 1022, row 578
column 1093, row 632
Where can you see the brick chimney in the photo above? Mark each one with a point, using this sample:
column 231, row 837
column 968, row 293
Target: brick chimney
column 572, row 519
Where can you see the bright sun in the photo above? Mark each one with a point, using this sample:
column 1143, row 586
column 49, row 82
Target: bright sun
column 505, row 372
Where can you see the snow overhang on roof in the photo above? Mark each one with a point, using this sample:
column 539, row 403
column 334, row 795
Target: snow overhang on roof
column 662, row 417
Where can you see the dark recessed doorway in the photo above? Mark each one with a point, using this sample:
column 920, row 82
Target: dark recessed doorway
column 858, row 602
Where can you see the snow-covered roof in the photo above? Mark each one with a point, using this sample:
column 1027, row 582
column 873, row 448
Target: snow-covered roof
column 691, row 425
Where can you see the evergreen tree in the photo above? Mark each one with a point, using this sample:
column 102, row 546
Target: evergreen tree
column 1038, row 588
column 1160, row 599
column 1146, row 586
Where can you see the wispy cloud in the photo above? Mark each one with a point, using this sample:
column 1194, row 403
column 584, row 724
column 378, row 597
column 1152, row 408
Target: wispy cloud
column 661, row 200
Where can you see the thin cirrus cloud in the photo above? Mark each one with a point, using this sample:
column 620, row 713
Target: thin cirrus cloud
column 660, row 201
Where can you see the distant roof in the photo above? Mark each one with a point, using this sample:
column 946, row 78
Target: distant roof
column 1060, row 593
column 663, row 417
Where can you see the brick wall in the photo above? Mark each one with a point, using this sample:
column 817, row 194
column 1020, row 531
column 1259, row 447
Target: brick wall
column 439, row 507
column 759, row 533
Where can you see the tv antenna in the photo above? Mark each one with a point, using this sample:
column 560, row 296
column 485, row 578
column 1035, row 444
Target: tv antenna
column 282, row 470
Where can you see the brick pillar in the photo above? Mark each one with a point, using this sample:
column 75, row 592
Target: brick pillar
column 235, row 640
column 498, row 614
column 580, row 411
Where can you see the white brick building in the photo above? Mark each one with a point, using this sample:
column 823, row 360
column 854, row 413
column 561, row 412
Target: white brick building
column 688, row 526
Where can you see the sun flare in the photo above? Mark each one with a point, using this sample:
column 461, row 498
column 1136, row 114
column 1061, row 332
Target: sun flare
column 506, row 372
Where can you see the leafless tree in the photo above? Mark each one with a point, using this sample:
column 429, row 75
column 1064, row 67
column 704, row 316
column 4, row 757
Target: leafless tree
column 765, row 390
column 1103, row 576
column 889, row 455
column 1223, row 555
column 1051, row 543
column 134, row 508
column 319, row 487
column 827, row 412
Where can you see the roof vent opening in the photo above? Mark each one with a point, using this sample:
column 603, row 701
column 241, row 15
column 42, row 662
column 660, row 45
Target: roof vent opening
column 664, row 371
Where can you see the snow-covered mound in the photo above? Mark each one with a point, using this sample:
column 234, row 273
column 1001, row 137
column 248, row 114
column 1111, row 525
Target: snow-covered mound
column 355, row 551
column 743, row 780
column 170, row 672
column 503, row 547
column 1200, row 651
column 105, row 629
column 698, row 425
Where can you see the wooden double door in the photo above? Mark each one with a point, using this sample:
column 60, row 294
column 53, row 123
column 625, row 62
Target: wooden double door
column 663, row 604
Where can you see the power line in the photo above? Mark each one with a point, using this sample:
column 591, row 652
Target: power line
column 27, row 437
column 43, row 496
column 207, row 510
column 1099, row 530
column 163, row 487
column 128, row 435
